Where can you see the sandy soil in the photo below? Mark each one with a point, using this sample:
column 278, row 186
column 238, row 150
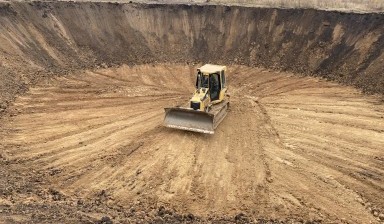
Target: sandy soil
column 91, row 147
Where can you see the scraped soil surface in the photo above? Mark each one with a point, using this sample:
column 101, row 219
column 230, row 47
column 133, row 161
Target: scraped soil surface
column 91, row 147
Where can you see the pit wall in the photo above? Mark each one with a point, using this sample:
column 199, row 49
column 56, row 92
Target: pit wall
column 40, row 39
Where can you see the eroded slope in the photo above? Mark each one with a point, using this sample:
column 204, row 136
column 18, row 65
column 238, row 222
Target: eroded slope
column 40, row 39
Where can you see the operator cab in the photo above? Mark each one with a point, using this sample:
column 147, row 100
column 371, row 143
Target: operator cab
column 211, row 78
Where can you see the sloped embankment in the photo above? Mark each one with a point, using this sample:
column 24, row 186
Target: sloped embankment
column 42, row 39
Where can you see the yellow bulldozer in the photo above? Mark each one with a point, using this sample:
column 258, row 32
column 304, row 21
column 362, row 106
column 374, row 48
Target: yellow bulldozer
column 208, row 105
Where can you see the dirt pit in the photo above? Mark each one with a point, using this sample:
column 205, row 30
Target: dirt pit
column 90, row 147
column 83, row 85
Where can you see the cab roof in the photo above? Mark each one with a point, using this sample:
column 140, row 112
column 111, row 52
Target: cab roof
column 209, row 68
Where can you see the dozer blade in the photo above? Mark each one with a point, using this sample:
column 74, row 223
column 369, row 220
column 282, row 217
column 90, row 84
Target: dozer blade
column 194, row 120
column 187, row 119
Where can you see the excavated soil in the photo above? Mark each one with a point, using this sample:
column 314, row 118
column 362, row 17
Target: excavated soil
column 291, row 149
column 83, row 141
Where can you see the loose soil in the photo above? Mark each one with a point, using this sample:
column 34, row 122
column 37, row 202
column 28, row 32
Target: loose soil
column 90, row 147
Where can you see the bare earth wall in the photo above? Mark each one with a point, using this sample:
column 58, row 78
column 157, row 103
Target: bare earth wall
column 41, row 39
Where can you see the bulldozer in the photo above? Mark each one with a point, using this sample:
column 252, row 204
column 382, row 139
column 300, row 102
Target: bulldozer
column 208, row 105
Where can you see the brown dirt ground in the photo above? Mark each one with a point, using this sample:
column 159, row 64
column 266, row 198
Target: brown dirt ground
column 90, row 147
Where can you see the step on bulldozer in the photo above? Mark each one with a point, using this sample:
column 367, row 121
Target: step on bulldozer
column 208, row 105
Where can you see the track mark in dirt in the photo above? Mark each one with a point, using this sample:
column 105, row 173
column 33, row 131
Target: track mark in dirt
column 290, row 148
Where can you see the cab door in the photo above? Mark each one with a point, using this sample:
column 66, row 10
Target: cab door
column 214, row 86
